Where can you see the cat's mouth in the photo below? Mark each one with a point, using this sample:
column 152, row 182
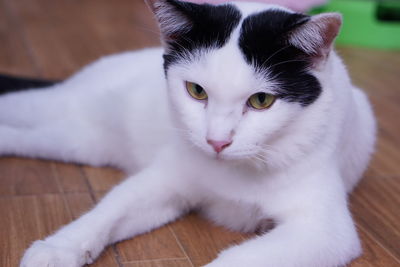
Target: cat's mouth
column 229, row 154
column 248, row 156
column 231, row 157
column 220, row 157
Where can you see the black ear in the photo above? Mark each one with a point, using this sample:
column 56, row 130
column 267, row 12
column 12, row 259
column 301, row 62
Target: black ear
column 315, row 37
column 172, row 16
column 187, row 26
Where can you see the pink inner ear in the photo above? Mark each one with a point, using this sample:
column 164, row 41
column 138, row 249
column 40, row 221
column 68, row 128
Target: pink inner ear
column 330, row 28
column 316, row 36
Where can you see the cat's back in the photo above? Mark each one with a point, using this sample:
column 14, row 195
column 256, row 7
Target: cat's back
column 358, row 139
column 123, row 96
column 356, row 125
column 120, row 69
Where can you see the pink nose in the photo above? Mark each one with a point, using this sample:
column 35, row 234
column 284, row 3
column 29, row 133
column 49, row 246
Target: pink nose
column 219, row 145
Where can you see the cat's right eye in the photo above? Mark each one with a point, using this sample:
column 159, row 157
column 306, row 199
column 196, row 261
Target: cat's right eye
column 196, row 91
column 261, row 101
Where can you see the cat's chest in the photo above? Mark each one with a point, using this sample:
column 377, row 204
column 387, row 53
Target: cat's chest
column 249, row 189
column 232, row 183
column 237, row 215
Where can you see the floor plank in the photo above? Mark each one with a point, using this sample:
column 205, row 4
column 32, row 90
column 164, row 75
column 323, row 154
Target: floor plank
column 28, row 218
column 78, row 203
column 15, row 55
column 27, row 177
column 202, row 240
column 374, row 255
column 107, row 259
column 375, row 204
column 161, row 263
column 385, row 161
column 102, row 179
column 7, row 178
column 159, row 244
column 124, row 26
column 71, row 177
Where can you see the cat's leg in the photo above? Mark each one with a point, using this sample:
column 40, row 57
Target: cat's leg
column 59, row 141
column 55, row 123
column 143, row 202
column 315, row 229
column 29, row 107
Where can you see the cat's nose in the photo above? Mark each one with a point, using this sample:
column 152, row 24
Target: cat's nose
column 219, row 145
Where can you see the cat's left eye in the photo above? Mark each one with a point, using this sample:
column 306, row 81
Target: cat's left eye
column 196, row 91
column 261, row 101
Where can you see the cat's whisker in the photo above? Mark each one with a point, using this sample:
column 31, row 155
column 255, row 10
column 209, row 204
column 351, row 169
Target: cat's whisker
column 275, row 77
column 288, row 61
column 274, row 54
column 259, row 159
column 262, row 159
column 150, row 30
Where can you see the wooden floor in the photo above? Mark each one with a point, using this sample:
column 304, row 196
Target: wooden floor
column 52, row 39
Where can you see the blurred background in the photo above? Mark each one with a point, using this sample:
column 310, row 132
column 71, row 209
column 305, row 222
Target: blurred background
column 54, row 38
column 367, row 23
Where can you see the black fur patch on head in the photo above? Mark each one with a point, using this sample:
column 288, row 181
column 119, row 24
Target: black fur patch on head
column 210, row 27
column 264, row 43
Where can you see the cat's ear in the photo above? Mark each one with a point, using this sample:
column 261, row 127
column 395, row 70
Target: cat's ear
column 315, row 37
column 172, row 16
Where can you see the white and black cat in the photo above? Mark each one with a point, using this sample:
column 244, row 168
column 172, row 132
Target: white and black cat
column 246, row 114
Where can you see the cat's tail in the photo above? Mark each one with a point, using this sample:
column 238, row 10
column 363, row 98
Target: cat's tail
column 9, row 83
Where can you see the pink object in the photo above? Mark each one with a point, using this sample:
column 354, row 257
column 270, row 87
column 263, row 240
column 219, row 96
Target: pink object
column 296, row 5
column 219, row 145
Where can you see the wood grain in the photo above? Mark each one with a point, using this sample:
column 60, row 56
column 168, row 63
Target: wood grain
column 26, row 177
column 124, row 25
column 7, row 177
column 202, row 240
column 107, row 259
column 160, row 263
column 159, row 244
column 374, row 254
column 78, row 203
column 375, row 205
column 70, row 177
column 102, row 179
column 15, row 53
column 25, row 219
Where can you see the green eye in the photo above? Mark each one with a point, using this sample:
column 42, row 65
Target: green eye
column 196, row 91
column 261, row 101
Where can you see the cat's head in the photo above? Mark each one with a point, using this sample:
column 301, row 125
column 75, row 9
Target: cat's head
column 239, row 75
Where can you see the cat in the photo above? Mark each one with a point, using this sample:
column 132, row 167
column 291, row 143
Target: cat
column 246, row 114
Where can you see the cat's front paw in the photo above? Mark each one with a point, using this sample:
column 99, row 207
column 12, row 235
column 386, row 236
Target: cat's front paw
column 43, row 254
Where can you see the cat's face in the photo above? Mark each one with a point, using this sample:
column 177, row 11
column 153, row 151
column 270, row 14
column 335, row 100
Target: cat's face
column 238, row 75
column 227, row 114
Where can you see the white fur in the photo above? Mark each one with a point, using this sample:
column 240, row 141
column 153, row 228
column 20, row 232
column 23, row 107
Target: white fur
column 293, row 164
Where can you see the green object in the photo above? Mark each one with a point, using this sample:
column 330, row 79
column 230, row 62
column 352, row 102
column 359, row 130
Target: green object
column 367, row 23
